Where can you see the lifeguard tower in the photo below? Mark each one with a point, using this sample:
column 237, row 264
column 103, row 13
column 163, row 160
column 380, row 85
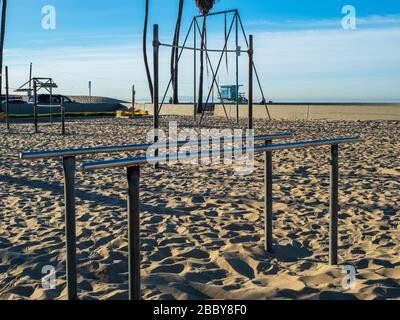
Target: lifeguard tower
column 228, row 93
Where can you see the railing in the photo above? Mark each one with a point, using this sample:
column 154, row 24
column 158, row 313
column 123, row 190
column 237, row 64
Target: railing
column 69, row 167
column 134, row 147
column 133, row 178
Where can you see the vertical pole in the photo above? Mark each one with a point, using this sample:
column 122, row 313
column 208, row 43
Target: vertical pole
column 237, row 66
column 35, row 103
column 255, row 70
column 268, row 199
column 62, row 116
column 51, row 103
column 195, row 70
column 251, row 82
column 30, row 82
column 30, row 77
column 90, row 91
column 156, row 48
column 334, row 205
column 7, row 102
column 133, row 98
column 133, row 176
column 70, row 231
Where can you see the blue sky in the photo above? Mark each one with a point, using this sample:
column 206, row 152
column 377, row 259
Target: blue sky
column 302, row 51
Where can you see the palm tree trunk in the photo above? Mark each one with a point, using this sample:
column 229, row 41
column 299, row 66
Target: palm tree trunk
column 201, row 80
column 146, row 63
column 175, row 54
column 2, row 35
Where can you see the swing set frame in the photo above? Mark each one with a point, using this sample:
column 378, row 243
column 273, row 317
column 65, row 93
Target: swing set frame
column 239, row 28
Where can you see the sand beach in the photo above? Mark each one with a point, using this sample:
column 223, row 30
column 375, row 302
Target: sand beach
column 202, row 227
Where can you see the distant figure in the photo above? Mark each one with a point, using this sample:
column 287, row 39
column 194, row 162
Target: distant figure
column 171, row 101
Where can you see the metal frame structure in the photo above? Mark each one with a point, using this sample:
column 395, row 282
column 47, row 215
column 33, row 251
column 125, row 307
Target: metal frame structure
column 133, row 174
column 238, row 25
column 69, row 158
column 156, row 53
column 43, row 84
column 237, row 21
column 39, row 84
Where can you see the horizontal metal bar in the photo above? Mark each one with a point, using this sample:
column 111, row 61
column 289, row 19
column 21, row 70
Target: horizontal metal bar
column 199, row 49
column 216, row 13
column 135, row 147
column 128, row 162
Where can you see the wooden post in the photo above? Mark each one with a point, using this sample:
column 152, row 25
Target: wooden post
column 156, row 49
column 133, row 177
column 251, row 81
column 35, row 103
column 70, row 230
column 7, row 102
column 268, row 199
column 334, row 205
